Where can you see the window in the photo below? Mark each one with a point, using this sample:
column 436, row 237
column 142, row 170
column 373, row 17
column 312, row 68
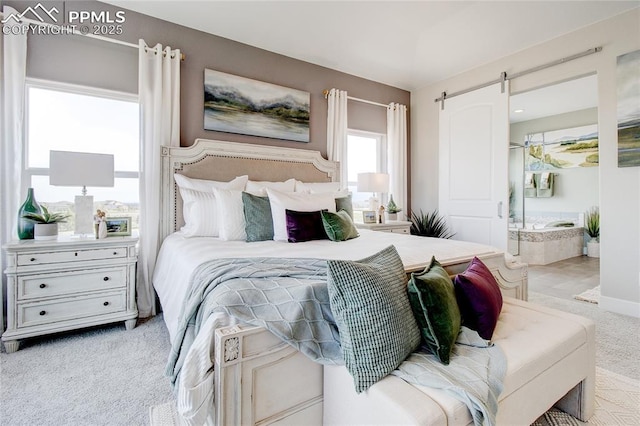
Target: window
column 74, row 118
column 366, row 152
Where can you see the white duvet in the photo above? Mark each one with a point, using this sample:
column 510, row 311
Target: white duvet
column 179, row 256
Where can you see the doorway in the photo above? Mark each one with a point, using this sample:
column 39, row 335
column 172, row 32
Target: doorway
column 554, row 179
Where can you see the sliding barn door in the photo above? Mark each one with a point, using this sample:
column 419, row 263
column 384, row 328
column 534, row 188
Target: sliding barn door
column 474, row 160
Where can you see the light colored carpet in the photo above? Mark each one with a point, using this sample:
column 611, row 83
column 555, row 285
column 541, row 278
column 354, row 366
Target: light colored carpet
column 617, row 404
column 591, row 295
column 100, row 376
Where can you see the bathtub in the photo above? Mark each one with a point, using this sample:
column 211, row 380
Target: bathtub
column 547, row 245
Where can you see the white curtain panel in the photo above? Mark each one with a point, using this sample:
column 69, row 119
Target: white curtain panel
column 159, row 93
column 397, row 153
column 337, row 130
column 14, row 67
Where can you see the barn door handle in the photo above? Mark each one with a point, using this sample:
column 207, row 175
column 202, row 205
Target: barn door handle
column 500, row 209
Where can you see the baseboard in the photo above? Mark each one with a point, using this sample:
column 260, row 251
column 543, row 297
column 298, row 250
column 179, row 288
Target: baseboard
column 620, row 306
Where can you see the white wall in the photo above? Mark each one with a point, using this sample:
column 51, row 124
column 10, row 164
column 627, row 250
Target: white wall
column 619, row 187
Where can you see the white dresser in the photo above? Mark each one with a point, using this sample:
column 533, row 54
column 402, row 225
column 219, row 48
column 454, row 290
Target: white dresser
column 395, row 226
column 66, row 284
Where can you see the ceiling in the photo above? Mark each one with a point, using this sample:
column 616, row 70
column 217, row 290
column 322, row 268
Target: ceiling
column 406, row 44
column 572, row 95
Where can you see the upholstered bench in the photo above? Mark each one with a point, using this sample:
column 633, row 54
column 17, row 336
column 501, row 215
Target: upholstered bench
column 550, row 361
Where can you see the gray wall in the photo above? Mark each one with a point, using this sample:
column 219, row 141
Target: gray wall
column 80, row 60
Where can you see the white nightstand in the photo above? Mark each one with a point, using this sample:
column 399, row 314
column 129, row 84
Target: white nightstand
column 395, row 226
column 66, row 284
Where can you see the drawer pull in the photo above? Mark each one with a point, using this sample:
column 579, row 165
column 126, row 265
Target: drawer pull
column 33, row 259
column 115, row 253
column 106, row 303
column 76, row 253
column 43, row 285
column 105, row 279
column 42, row 313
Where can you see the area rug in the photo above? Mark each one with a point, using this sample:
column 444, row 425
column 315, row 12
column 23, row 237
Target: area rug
column 617, row 404
column 164, row 415
column 591, row 295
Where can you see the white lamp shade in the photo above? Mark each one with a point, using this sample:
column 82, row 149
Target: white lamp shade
column 68, row 168
column 373, row 182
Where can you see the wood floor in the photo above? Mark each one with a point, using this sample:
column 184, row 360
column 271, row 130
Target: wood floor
column 566, row 278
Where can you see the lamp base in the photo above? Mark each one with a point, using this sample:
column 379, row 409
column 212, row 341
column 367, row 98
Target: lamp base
column 373, row 205
column 84, row 214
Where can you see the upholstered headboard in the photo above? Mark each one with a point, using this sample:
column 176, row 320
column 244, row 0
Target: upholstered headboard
column 223, row 161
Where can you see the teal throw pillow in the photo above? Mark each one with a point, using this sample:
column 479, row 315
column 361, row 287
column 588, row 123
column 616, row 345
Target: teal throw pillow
column 345, row 203
column 257, row 217
column 338, row 226
column 433, row 300
column 370, row 306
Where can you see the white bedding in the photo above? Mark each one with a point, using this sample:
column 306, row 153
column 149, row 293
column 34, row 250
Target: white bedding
column 179, row 256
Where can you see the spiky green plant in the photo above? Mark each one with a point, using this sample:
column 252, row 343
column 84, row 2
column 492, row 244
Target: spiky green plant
column 429, row 224
column 45, row 216
column 592, row 222
column 392, row 207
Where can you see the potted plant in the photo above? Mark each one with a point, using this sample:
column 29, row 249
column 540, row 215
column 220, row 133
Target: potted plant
column 46, row 223
column 392, row 209
column 592, row 227
column 429, row 225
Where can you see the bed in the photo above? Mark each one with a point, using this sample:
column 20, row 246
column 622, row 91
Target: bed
column 258, row 379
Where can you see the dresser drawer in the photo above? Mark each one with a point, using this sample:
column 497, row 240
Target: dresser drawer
column 63, row 283
column 42, row 258
column 31, row 314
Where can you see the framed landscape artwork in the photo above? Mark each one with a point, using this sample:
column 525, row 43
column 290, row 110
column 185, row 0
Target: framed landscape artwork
column 240, row 105
column 118, row 226
column 628, row 89
column 563, row 149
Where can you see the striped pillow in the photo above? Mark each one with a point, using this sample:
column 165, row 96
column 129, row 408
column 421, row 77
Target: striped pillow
column 370, row 305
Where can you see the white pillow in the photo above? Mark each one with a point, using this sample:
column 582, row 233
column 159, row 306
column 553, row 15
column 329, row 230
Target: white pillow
column 199, row 208
column 208, row 185
column 260, row 187
column 297, row 201
column 230, row 214
column 317, row 187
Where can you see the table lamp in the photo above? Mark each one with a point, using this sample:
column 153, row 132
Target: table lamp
column 83, row 169
column 374, row 183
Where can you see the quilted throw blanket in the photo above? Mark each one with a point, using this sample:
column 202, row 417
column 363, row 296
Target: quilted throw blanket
column 289, row 297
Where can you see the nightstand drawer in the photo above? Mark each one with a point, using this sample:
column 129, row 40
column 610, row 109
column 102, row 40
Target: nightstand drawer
column 399, row 230
column 71, row 256
column 58, row 284
column 60, row 310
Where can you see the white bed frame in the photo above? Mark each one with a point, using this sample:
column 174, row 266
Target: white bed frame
column 259, row 380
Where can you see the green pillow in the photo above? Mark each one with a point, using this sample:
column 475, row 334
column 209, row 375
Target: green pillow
column 370, row 306
column 257, row 217
column 433, row 300
column 338, row 226
column 345, row 203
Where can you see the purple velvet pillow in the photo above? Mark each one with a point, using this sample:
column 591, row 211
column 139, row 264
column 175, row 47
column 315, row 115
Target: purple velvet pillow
column 479, row 298
column 304, row 226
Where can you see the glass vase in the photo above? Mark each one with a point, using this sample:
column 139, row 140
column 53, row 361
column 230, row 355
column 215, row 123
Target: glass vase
column 26, row 226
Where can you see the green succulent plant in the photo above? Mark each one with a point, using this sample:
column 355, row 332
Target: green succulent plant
column 429, row 225
column 46, row 216
column 392, row 207
column 592, row 222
